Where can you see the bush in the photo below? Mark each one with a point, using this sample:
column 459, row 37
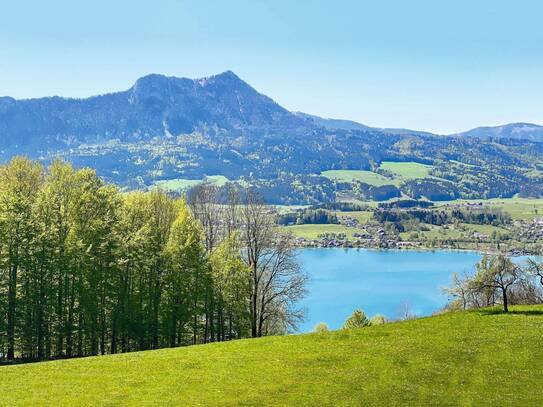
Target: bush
column 356, row 320
column 378, row 320
column 320, row 328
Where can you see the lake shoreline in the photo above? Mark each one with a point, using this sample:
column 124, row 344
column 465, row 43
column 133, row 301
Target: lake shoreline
column 377, row 281
column 420, row 249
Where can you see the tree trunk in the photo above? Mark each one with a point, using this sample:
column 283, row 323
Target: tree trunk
column 505, row 304
column 12, row 299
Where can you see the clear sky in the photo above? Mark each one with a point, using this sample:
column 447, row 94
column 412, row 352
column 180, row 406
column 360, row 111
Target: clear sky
column 443, row 66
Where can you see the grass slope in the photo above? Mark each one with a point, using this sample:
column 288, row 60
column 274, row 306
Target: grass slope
column 407, row 170
column 180, row 184
column 312, row 231
column 471, row 358
column 367, row 177
column 518, row 208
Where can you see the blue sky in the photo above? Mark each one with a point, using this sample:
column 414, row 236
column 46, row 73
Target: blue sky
column 430, row 65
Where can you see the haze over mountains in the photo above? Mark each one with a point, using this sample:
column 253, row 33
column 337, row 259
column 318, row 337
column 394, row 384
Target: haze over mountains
column 159, row 106
column 167, row 128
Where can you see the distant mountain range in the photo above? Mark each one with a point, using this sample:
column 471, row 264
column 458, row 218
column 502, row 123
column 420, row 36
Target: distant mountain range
column 517, row 131
column 167, row 128
column 160, row 106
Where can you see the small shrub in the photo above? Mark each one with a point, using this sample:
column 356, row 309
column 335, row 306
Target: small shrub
column 320, row 328
column 356, row 320
column 378, row 320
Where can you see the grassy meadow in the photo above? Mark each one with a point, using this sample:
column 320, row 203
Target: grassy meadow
column 312, row 231
column 401, row 171
column 407, row 170
column 518, row 208
column 476, row 358
column 368, row 177
column 181, row 184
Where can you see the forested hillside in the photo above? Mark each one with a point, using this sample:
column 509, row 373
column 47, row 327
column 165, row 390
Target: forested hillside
column 87, row 270
column 179, row 130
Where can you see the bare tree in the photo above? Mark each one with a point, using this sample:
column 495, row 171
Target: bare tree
column 277, row 281
column 204, row 204
column 535, row 268
column 497, row 273
column 404, row 312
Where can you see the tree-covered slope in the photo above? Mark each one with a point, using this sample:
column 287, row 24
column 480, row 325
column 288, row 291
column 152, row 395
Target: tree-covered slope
column 177, row 129
column 469, row 358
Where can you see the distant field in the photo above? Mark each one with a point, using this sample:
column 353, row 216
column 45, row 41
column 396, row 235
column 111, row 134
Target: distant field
column 367, row 177
column 282, row 209
column 180, row 184
column 467, row 231
column 407, row 170
column 313, row 231
column 361, row 216
column 477, row 358
column 401, row 171
column 518, row 208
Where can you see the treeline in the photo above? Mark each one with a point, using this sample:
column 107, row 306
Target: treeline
column 485, row 216
column 316, row 216
column 342, row 206
column 87, row 270
column 367, row 192
column 405, row 203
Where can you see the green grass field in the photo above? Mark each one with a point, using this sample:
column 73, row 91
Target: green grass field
column 479, row 358
column 518, row 208
column 362, row 216
column 367, row 177
column 407, row 170
column 451, row 233
column 313, row 231
column 180, row 184
column 400, row 170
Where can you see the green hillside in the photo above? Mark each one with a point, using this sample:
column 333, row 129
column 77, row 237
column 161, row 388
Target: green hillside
column 472, row 358
column 368, row 177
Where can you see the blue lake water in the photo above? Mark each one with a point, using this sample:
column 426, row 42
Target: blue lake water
column 377, row 281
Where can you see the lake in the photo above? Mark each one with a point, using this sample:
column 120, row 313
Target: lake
column 377, row 281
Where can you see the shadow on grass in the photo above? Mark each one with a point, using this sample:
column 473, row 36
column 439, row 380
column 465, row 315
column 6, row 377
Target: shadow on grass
column 498, row 311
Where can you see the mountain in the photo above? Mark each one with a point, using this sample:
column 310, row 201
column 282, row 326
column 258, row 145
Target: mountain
column 515, row 131
column 340, row 124
column 156, row 106
column 170, row 130
column 332, row 124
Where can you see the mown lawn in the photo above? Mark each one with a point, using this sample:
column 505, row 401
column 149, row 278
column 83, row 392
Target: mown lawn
column 460, row 359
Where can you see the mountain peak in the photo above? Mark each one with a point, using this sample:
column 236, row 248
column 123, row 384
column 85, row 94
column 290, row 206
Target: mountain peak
column 226, row 77
column 520, row 130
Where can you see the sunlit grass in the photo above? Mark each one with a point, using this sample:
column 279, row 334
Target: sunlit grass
column 471, row 358
column 407, row 170
column 367, row 177
column 181, row 184
column 518, row 208
column 313, row 231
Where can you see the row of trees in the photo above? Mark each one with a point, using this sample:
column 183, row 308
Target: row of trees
column 86, row 269
column 498, row 280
